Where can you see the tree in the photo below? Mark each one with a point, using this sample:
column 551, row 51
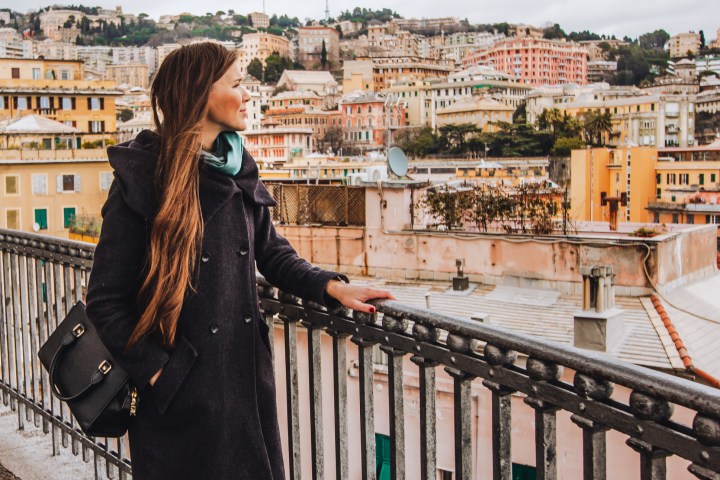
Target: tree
column 554, row 32
column 275, row 65
column 595, row 126
column 323, row 55
column 455, row 136
column 125, row 115
column 255, row 68
column 563, row 146
column 340, row 32
column 333, row 139
column 702, row 39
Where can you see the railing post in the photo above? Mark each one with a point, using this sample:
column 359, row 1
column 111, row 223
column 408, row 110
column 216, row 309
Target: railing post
column 463, row 408
column 291, row 381
column 545, row 419
column 501, row 412
column 594, row 445
column 367, row 398
column 428, row 435
column 340, row 404
column 315, row 384
column 652, row 459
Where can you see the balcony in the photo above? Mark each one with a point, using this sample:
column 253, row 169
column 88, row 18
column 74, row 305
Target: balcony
column 431, row 350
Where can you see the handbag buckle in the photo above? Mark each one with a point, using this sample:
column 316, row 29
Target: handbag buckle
column 105, row 367
column 78, row 330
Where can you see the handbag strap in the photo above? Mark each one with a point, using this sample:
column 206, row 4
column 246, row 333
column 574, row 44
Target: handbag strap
column 96, row 377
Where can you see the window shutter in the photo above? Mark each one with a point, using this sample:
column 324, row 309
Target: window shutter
column 59, row 184
column 89, row 100
column 77, row 183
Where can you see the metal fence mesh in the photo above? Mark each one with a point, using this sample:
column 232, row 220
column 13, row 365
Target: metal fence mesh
column 318, row 204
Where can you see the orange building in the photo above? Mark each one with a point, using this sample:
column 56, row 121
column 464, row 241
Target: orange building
column 535, row 61
column 599, row 172
column 272, row 147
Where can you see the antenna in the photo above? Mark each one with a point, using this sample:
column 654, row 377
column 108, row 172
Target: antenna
column 327, row 11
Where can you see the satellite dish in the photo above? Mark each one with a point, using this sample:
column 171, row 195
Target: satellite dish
column 397, row 161
column 36, row 227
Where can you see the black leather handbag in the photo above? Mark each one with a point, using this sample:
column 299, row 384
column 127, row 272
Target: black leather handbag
column 84, row 374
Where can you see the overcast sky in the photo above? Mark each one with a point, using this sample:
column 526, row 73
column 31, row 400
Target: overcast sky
column 611, row 17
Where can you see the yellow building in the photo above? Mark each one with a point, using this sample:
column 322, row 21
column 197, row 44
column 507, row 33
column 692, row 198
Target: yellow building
column 687, row 186
column 599, row 172
column 51, row 191
column 262, row 45
column 484, row 113
column 132, row 74
column 55, row 89
column 379, row 73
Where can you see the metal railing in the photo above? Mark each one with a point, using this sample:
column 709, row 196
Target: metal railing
column 41, row 278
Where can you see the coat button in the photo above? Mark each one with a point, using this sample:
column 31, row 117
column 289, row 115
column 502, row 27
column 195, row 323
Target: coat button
column 248, row 318
column 242, row 252
column 205, row 257
column 214, row 328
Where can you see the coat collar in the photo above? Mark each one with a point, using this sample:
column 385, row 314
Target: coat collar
column 134, row 164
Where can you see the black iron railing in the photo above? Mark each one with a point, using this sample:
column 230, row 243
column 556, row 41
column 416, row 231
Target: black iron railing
column 41, row 277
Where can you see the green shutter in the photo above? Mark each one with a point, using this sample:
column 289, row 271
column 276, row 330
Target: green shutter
column 41, row 218
column 523, row 472
column 68, row 216
column 382, row 456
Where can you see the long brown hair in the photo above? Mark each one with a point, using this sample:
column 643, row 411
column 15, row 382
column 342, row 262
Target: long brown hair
column 179, row 96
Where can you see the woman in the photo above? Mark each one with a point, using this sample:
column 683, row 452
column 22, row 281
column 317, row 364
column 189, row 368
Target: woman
column 172, row 289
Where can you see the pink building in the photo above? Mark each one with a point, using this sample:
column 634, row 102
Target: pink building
column 367, row 117
column 535, row 61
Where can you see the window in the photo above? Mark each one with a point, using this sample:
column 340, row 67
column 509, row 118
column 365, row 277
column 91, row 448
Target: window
column 670, row 179
column 712, row 178
column 21, row 103
column 68, row 183
column 523, row 472
column 68, row 103
column 675, row 218
column 656, row 217
column 659, row 193
column 65, row 75
column 68, row 216
column 691, row 218
column 444, row 474
column 684, row 178
column 44, row 102
column 12, row 184
column 96, row 126
column 36, row 74
column 15, row 72
column 701, row 179
column 12, row 219
column 95, row 103
column 712, row 219
column 41, row 218
column 39, row 184
column 106, row 179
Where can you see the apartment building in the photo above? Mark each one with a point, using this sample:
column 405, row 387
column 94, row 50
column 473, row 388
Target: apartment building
column 598, row 173
column 535, row 61
column 272, row 147
column 638, row 117
column 55, row 89
column 379, row 73
column 131, row 74
column 684, row 44
column 320, row 82
column 259, row 19
column 132, row 55
column 368, row 118
column 261, row 45
column 424, row 99
column 310, row 41
column 483, row 112
column 52, row 194
column 307, row 116
column 687, row 185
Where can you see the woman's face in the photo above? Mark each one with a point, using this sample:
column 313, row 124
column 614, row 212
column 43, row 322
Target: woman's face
column 226, row 103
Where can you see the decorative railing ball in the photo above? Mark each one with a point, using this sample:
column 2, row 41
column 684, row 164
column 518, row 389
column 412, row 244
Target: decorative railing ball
column 541, row 370
column 458, row 343
column 499, row 357
column 594, row 388
column 707, row 430
column 645, row 407
column 363, row 318
column 394, row 325
column 423, row 333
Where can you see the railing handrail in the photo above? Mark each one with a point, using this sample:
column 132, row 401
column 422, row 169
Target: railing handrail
column 678, row 390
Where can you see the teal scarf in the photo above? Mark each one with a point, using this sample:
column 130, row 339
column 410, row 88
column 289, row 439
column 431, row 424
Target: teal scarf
column 227, row 153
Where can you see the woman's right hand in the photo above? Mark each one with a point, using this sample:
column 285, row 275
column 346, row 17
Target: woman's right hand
column 155, row 377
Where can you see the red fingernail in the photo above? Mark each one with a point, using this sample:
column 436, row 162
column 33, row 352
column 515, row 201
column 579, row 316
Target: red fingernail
column 372, row 309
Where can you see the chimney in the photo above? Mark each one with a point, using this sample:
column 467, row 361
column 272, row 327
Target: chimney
column 599, row 325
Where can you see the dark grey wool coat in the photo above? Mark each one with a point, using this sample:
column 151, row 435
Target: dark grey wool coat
column 212, row 412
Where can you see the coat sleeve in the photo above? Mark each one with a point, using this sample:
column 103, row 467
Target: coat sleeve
column 278, row 261
column 112, row 289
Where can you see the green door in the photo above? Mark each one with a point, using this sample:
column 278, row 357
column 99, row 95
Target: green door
column 522, row 472
column 41, row 218
column 68, row 216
